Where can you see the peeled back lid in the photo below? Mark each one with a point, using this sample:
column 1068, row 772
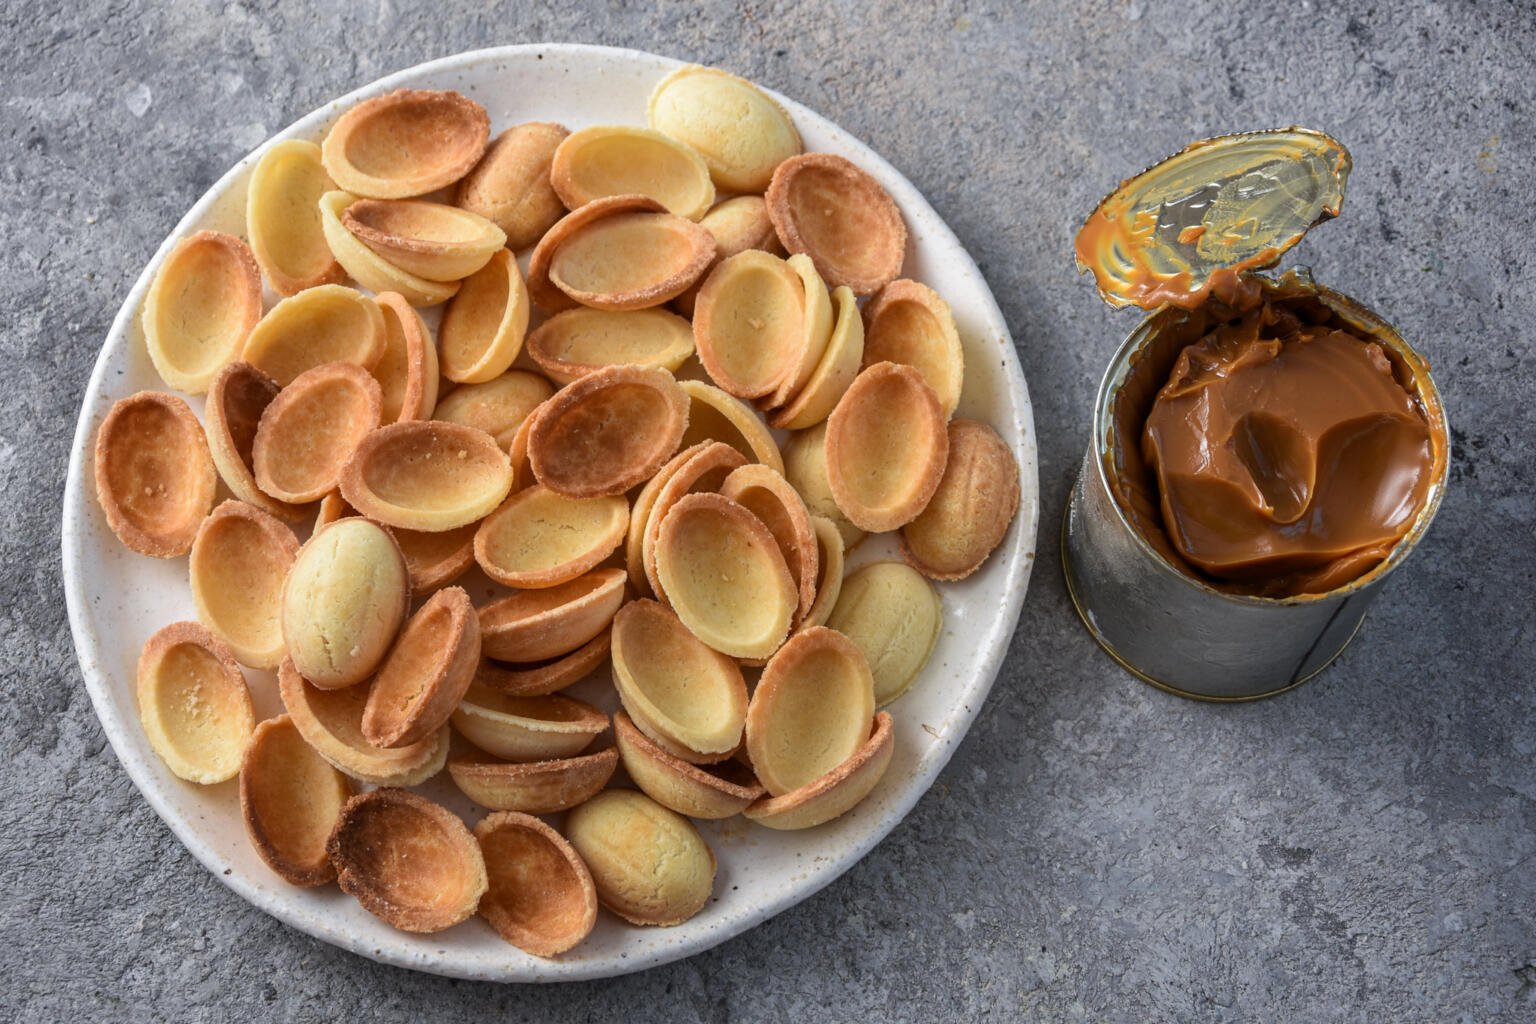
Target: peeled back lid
column 1209, row 212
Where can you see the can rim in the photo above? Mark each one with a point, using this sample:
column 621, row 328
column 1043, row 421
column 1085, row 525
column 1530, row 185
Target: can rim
column 1429, row 397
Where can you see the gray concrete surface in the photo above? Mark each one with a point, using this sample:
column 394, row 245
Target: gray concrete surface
column 1361, row 850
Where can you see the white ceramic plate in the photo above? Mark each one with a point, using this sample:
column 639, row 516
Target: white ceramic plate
column 117, row 598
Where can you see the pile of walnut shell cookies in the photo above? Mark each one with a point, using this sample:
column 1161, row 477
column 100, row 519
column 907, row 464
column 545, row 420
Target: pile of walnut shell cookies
column 621, row 486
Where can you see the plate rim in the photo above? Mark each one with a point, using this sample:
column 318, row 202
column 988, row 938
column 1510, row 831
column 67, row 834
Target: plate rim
column 1021, row 553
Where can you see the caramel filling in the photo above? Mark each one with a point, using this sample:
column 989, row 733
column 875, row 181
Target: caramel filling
column 1288, row 457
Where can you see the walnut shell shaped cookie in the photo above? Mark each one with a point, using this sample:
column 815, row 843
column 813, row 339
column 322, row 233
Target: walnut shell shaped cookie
column 526, row 729
column 631, row 260
column 282, row 218
column 649, row 864
column 407, row 860
column 538, row 625
column 290, row 798
column 193, row 703
column 886, row 446
column 907, row 322
column 510, row 185
column 835, row 793
column 739, row 130
column 237, row 398
column 426, row 475
column 155, row 478
column 331, row 722
column 405, row 143
column 239, row 560
column 343, row 602
column 616, row 160
column 842, row 218
column 534, row 787
column 709, row 793
column 431, row 240
column 608, row 431
column 203, row 303
column 540, row 896
column 426, row 672
column 310, row 430
column 970, row 512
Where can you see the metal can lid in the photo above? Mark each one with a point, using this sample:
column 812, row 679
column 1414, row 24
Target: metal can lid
column 1215, row 209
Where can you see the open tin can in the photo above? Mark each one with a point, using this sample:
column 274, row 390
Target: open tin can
column 1181, row 239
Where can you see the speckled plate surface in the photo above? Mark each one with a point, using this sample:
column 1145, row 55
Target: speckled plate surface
column 117, row 598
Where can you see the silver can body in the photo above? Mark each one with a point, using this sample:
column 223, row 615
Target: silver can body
column 1181, row 633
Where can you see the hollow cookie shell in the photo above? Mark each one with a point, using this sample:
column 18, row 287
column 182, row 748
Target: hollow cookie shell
column 678, row 785
column 538, row 538
column 331, row 721
column 769, row 496
column 527, row 728
column 617, row 160
column 282, row 218
column 426, row 673
column 367, row 267
column 968, row 515
column 497, row 406
column 739, row 130
column 907, row 322
column 327, row 324
column 811, row 710
column 240, row 393
column 204, row 301
column 748, row 322
column 312, row 428
column 407, row 372
column 290, row 798
column 737, row 224
column 239, row 561
column 704, row 470
column 714, row 415
column 510, row 186
column 576, row 342
column 193, row 703
column 690, row 699
column 834, row 372
column 483, row 326
column 535, row 679
column 631, row 260
column 640, row 516
column 535, row 787
column 894, row 616
column 407, row 860
column 155, row 479
column 607, row 431
column 650, row 865
column 724, row 576
column 545, row 294
column 829, row 577
column 426, row 475
column 405, row 143
column 434, row 560
column 540, row 896
column 805, row 467
column 816, row 326
column 431, row 240
column 834, row 793
column 343, row 602
column 886, row 446
column 536, row 625
column 838, row 215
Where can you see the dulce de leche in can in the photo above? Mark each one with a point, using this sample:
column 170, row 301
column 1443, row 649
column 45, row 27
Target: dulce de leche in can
column 1265, row 450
